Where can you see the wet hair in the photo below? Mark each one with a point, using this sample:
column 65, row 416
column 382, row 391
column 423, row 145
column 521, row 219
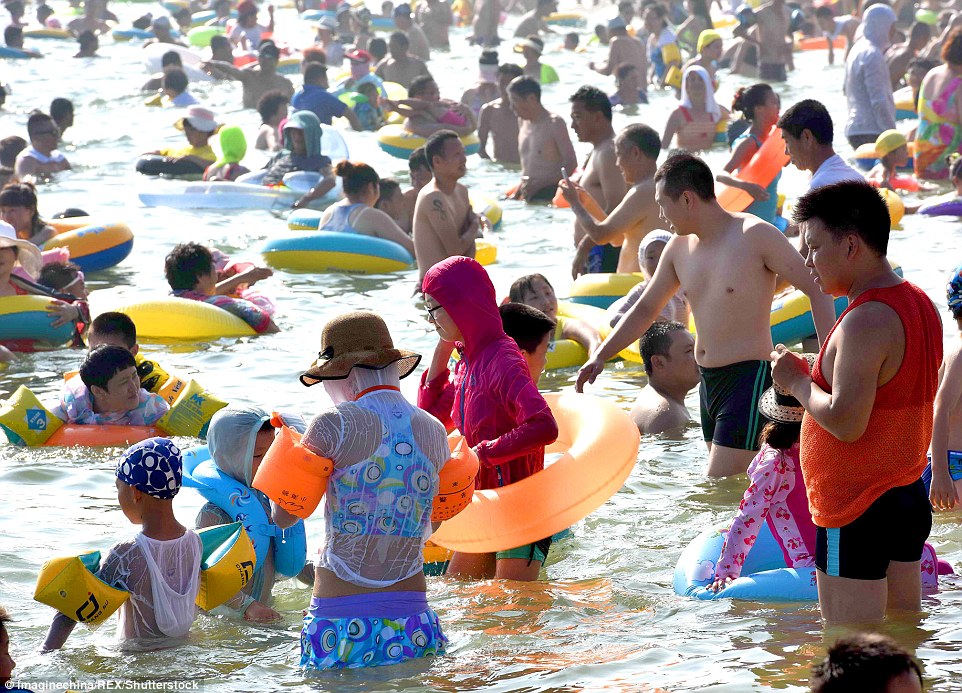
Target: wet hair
column 920, row 30
column 37, row 121
column 268, row 104
column 572, row 36
column 103, row 363
column 113, row 323
column 644, row 137
column 20, row 195
column 747, row 99
column 176, row 80
column 780, row 435
column 435, row 145
column 656, row 341
column 70, row 213
column 368, row 90
column 525, row 285
column 10, row 147
column 824, row 12
column 952, row 48
column 87, row 38
column 58, row 275
column 142, row 22
column 218, row 41
column 527, row 326
column 356, row 175
column 683, row 171
column 44, row 12
column 659, row 11
column 810, row 115
column 525, row 86
column 594, row 100
column 377, row 47
column 418, row 159
column 419, row 84
column 171, row 58
column 12, row 34
column 845, row 208
column 389, row 188
column 510, row 69
column 314, row 72
column 185, row 264
column 862, row 662
column 399, row 37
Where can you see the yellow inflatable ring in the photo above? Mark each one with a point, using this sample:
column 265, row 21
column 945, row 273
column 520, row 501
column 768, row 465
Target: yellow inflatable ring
column 173, row 318
column 397, row 141
column 599, row 445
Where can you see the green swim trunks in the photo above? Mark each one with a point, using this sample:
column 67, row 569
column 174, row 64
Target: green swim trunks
column 538, row 551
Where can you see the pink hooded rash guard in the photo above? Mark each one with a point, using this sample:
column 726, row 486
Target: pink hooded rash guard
column 491, row 399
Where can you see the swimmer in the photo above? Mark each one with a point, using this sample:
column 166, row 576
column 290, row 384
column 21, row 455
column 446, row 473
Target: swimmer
column 42, row 158
column 727, row 265
column 369, row 113
column 531, row 48
column 18, row 207
column 892, row 150
column 426, row 113
column 256, row 80
column 533, row 23
column 710, row 47
column 272, row 108
column 444, row 223
column 247, row 33
column 635, row 215
column 694, row 123
column 87, row 45
column 629, row 90
column 168, row 61
column 649, row 253
column 867, row 661
column 327, row 39
column 775, row 42
column 174, row 89
column 198, row 126
column 402, row 67
column 543, row 143
column 484, row 25
column 233, row 147
column 532, row 331
column 623, row 50
column 499, row 121
column 62, row 112
column 832, row 27
column 420, row 175
column 10, row 147
column 417, row 41
column 947, row 417
column 391, row 202
column 698, row 20
column 661, row 42
column 536, row 291
column 571, row 42
column 301, row 152
column 315, row 97
column 436, row 18
column 486, row 89
column 162, row 30
column 668, row 353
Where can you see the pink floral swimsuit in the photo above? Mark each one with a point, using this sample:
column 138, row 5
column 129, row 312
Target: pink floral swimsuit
column 775, row 495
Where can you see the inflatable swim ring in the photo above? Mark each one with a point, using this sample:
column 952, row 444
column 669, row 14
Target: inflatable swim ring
column 25, row 325
column 572, row 19
column 93, row 246
column 819, row 43
column 200, row 36
column 398, row 142
column 599, row 445
column 176, row 319
column 905, row 105
column 132, row 34
column 18, row 53
column 943, row 207
column 602, row 289
column 154, row 53
column 866, row 157
column 766, row 163
column 47, row 33
column 233, row 195
column 329, row 251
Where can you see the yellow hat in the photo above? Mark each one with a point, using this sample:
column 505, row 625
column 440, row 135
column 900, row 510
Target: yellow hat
column 888, row 142
column 706, row 37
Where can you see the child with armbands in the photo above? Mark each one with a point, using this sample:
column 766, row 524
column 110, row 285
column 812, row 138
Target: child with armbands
column 369, row 113
column 370, row 604
column 532, row 331
column 946, row 460
column 776, row 492
column 238, row 438
column 191, row 272
column 536, row 291
column 160, row 567
column 117, row 329
column 492, row 400
column 108, row 391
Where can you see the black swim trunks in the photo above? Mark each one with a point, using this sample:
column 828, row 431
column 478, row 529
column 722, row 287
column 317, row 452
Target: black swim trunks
column 772, row 72
column 546, row 194
column 729, row 403
column 894, row 528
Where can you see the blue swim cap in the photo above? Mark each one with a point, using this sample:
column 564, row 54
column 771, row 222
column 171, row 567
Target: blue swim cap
column 953, row 290
column 153, row 466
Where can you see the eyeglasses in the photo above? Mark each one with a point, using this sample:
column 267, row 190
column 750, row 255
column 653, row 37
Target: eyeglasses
column 432, row 311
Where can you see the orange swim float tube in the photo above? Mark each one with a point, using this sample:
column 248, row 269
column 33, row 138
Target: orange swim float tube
column 599, row 446
column 761, row 169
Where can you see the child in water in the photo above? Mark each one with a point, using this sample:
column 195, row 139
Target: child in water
column 946, row 468
column 160, row 567
column 532, row 331
column 536, row 291
column 492, row 400
column 370, row 604
column 649, row 253
column 233, row 147
column 776, row 493
column 759, row 106
column 892, row 151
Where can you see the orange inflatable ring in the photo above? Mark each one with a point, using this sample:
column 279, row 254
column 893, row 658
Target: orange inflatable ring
column 599, row 445
column 761, row 169
column 291, row 475
column 816, row 43
column 456, row 482
column 106, row 435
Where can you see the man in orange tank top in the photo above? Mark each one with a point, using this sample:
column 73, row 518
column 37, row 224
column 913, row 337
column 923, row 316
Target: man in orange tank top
column 868, row 405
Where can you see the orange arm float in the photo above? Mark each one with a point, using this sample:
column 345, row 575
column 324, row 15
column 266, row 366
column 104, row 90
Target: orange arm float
column 456, row 483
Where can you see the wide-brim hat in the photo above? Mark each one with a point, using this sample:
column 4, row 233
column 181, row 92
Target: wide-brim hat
column 28, row 255
column 531, row 42
column 359, row 339
column 200, row 119
column 777, row 404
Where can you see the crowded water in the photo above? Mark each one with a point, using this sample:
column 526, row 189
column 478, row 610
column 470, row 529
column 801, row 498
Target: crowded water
column 604, row 616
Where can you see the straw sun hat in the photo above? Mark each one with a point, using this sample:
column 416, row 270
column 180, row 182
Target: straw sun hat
column 358, row 339
column 777, row 404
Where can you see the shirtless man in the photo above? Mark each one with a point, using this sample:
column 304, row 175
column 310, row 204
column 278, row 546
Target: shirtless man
column 668, row 352
column 41, row 158
column 543, row 142
column 400, row 67
column 533, row 22
column 636, row 214
column 601, row 178
column 487, row 15
column 774, row 43
column 417, row 41
column 499, row 120
column 622, row 49
column 444, row 223
column 727, row 266
column 420, row 174
column 257, row 80
column 272, row 108
column 868, row 411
